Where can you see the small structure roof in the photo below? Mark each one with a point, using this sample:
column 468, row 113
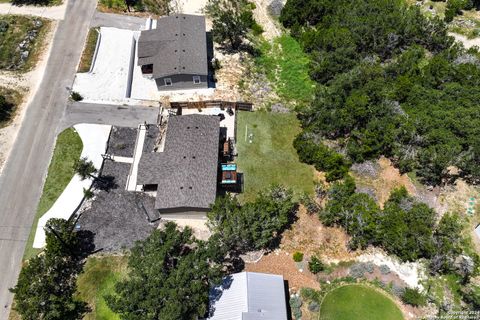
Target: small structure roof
column 249, row 296
column 186, row 171
column 177, row 46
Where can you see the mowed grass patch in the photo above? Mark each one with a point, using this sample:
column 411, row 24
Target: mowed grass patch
column 67, row 150
column 286, row 67
column 89, row 50
column 270, row 158
column 360, row 303
column 16, row 31
column 97, row 280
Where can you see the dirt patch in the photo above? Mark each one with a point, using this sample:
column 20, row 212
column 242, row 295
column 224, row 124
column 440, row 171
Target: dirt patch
column 270, row 26
column 281, row 262
column 310, row 236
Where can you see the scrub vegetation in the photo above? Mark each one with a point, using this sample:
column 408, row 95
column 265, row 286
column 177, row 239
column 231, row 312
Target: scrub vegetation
column 20, row 41
column 391, row 83
column 9, row 100
column 89, row 50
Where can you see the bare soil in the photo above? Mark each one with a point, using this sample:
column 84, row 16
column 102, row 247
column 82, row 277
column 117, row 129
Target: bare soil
column 281, row 262
column 310, row 236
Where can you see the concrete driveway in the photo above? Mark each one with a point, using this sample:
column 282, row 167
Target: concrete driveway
column 121, row 116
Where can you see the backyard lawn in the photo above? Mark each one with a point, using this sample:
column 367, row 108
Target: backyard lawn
column 360, row 303
column 67, row 150
column 97, row 280
column 266, row 155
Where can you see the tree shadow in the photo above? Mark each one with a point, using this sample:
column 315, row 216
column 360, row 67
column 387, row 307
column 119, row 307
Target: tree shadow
column 105, row 183
column 31, row 2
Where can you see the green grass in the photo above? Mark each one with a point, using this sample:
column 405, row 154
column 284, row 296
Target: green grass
column 357, row 302
column 88, row 51
column 270, row 158
column 286, row 67
column 97, row 280
column 67, row 150
column 15, row 31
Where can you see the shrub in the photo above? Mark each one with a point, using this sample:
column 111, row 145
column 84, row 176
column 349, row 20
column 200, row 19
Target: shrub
column 315, row 265
column 298, row 256
column 384, row 269
column 369, row 267
column 358, row 270
column 87, row 193
column 314, row 306
column 414, row 297
column 309, row 203
column 76, row 96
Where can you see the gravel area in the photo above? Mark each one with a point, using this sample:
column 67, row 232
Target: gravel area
column 122, row 141
column 117, row 217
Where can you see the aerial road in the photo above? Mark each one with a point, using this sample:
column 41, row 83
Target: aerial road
column 23, row 175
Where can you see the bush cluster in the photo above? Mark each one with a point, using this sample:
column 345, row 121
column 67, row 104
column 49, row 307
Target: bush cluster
column 390, row 82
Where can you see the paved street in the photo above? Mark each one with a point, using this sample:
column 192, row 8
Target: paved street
column 101, row 19
column 25, row 170
column 122, row 116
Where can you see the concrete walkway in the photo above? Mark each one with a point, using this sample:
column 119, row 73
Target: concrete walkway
column 122, row 159
column 132, row 177
column 94, row 138
column 54, row 13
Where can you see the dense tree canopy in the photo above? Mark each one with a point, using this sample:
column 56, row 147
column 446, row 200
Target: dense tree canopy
column 170, row 275
column 405, row 227
column 255, row 225
column 391, row 82
column 47, row 283
column 232, row 20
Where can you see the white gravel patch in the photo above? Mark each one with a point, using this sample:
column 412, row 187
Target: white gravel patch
column 108, row 80
column 189, row 6
column 410, row 272
column 467, row 43
column 94, row 138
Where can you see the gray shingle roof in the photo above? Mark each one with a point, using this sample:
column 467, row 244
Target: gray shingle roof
column 186, row 171
column 249, row 296
column 177, row 46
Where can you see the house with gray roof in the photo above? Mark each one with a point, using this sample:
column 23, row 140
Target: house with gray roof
column 249, row 296
column 175, row 52
column 184, row 175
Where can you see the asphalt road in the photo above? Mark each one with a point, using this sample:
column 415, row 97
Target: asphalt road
column 24, row 173
column 101, row 19
column 117, row 115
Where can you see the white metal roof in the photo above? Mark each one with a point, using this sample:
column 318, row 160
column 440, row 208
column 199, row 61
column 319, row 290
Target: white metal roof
column 249, row 296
